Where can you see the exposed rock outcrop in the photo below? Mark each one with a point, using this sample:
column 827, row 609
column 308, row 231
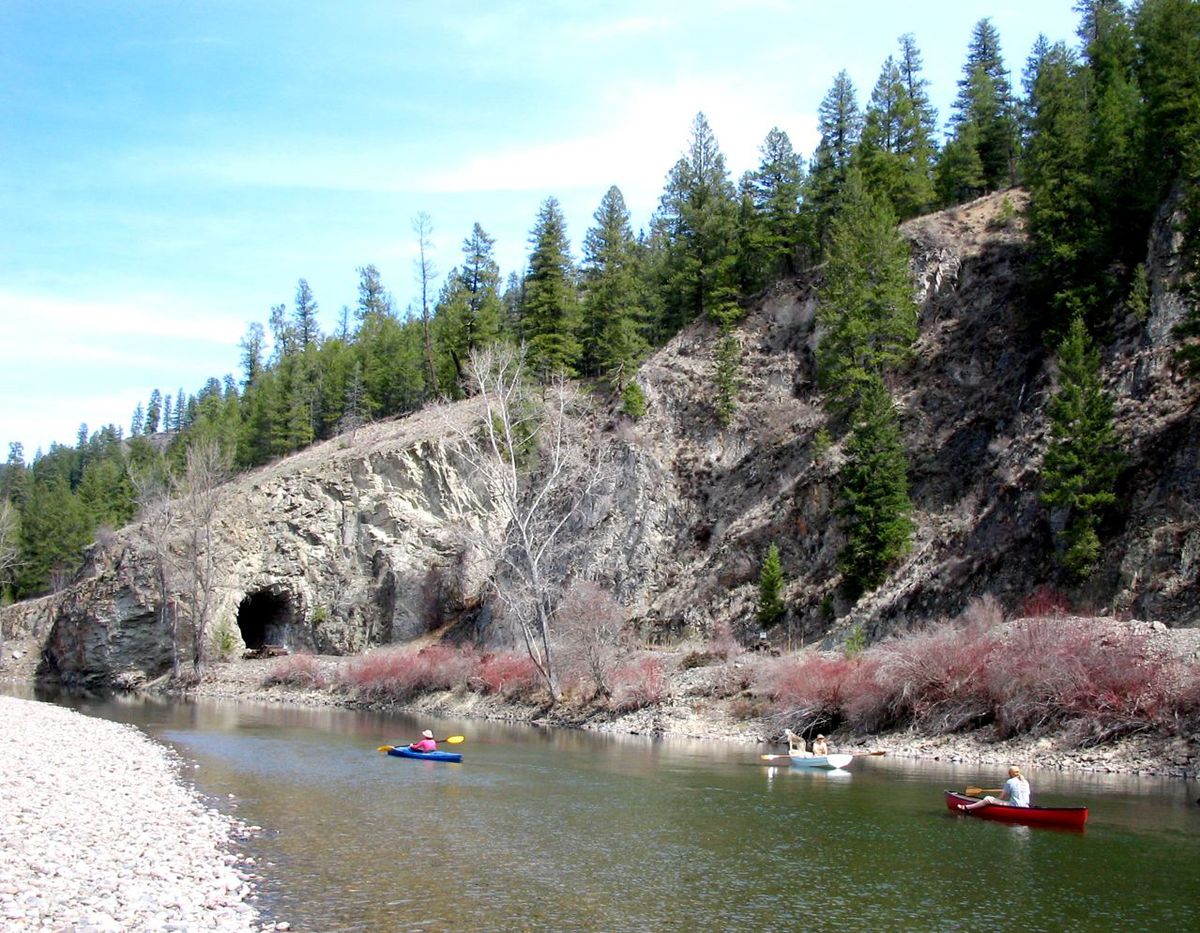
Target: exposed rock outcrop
column 383, row 538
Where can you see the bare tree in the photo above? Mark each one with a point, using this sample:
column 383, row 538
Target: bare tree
column 10, row 530
column 528, row 449
column 198, row 492
column 422, row 225
column 589, row 626
column 158, row 520
column 177, row 519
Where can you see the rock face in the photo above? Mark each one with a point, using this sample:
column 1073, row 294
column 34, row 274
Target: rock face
column 385, row 537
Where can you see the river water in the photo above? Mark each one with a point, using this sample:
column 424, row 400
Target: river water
column 562, row 830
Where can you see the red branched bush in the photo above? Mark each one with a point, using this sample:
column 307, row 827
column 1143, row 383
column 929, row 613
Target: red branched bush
column 400, row 674
column 1044, row 601
column 808, row 690
column 295, row 670
column 506, row 673
column 638, row 684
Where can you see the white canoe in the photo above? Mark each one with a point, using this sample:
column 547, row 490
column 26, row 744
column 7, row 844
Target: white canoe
column 810, row 761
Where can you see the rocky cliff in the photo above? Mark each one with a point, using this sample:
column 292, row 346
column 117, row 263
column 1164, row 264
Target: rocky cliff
column 384, row 537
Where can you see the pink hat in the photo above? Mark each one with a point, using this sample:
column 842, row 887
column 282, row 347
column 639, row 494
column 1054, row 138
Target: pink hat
column 427, row 734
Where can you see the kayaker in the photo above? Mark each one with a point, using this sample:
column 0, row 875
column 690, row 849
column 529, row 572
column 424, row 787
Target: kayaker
column 820, row 746
column 427, row 743
column 1015, row 793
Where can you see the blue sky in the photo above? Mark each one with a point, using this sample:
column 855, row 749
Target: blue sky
column 170, row 168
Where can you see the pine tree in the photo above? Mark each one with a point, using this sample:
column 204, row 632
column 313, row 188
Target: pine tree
column 611, row 341
column 304, row 318
column 153, row 411
column 896, row 151
column 775, row 232
column 1084, row 459
column 771, row 607
column 866, row 315
column 695, row 234
column 985, row 101
column 550, row 313
column 873, row 491
column 840, row 123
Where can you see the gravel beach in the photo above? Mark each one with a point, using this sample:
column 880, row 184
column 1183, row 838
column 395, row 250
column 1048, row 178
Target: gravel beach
column 99, row 833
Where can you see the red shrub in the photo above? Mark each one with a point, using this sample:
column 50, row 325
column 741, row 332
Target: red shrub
column 297, row 670
column 639, row 684
column 506, row 673
column 1044, row 601
column 808, row 691
column 399, row 674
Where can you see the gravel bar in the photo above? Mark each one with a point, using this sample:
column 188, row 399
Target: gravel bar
column 99, row 833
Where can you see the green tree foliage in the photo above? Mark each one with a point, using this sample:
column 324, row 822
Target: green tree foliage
column 54, row 531
column 468, row 311
column 896, row 152
column 867, row 314
column 550, row 313
column 771, row 607
column 873, row 492
column 840, row 123
column 1084, row 458
column 694, row 231
column 774, row 230
column 985, row 103
column 611, row 339
column 304, row 318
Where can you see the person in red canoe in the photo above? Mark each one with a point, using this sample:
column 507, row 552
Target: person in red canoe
column 1014, row 794
column 427, row 743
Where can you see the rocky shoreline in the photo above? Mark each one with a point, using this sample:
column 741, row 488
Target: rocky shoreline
column 99, row 834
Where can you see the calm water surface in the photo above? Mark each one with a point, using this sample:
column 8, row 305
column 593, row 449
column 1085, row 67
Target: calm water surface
column 557, row 830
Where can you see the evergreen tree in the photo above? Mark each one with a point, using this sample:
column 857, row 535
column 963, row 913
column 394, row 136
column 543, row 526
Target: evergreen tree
column 985, row 103
column 771, row 607
column 610, row 338
column 373, row 301
column 866, row 316
column 468, row 311
column 873, row 491
column 840, row 124
column 54, row 531
column 153, row 412
column 896, row 152
column 304, row 318
column 550, row 313
column 253, row 350
column 774, row 230
column 138, row 421
column 695, row 230
column 1083, row 460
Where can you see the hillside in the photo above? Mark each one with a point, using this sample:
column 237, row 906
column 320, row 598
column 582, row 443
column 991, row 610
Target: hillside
column 382, row 537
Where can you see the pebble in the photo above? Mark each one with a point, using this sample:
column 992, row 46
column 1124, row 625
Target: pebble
column 99, row 833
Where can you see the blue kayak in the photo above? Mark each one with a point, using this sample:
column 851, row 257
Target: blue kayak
column 403, row 751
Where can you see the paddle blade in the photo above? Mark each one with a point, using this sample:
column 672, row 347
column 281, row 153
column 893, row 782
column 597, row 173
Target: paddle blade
column 385, row 748
column 976, row 791
column 455, row 739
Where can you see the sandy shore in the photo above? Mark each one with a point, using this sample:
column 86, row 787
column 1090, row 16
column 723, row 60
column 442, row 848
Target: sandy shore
column 98, row 833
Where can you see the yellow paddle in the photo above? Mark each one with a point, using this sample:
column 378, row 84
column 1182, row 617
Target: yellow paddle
column 976, row 791
column 452, row 740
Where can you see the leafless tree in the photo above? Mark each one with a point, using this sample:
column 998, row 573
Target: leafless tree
column 177, row 520
column 198, row 490
column 10, row 529
column 589, row 626
column 158, row 518
column 422, row 225
column 528, row 449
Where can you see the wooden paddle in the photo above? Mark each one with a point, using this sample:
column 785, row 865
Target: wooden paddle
column 452, row 740
column 976, row 791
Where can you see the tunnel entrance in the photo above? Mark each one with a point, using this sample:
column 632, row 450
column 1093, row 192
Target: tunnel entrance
column 264, row 619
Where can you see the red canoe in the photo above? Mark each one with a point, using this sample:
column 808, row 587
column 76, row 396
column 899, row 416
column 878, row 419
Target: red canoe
column 1062, row 817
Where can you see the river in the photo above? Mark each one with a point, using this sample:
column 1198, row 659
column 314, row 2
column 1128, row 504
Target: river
column 563, row 830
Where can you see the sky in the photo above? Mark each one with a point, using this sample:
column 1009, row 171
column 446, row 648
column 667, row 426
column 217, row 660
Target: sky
column 169, row 169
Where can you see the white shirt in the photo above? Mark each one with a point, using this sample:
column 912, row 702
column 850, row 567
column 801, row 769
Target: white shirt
column 1017, row 791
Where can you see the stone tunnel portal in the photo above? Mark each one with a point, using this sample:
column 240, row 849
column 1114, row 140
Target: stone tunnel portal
column 264, row 618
